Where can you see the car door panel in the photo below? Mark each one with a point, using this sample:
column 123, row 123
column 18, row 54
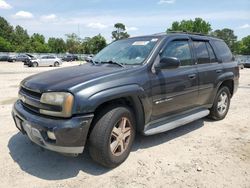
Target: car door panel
column 208, row 71
column 175, row 90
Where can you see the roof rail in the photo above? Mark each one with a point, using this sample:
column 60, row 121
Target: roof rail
column 187, row 32
column 161, row 33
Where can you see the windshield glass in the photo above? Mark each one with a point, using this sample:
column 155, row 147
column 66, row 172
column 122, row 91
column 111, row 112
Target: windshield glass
column 128, row 52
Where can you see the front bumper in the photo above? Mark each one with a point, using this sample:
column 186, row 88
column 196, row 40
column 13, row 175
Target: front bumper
column 70, row 134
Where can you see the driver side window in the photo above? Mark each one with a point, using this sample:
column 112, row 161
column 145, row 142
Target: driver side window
column 180, row 50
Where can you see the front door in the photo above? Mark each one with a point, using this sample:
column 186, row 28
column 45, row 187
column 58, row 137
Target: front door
column 175, row 90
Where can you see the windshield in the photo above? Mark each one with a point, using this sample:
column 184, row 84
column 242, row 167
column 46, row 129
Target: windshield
column 128, row 52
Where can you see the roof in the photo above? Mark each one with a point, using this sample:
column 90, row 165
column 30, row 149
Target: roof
column 180, row 33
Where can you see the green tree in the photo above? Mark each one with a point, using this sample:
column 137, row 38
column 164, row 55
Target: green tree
column 97, row 43
column 119, row 32
column 20, row 39
column 6, row 30
column 228, row 36
column 198, row 25
column 5, row 46
column 37, row 44
column 56, row 45
column 244, row 46
column 93, row 45
column 73, row 43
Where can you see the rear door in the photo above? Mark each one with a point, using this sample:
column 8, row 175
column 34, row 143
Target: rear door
column 175, row 90
column 209, row 69
column 51, row 60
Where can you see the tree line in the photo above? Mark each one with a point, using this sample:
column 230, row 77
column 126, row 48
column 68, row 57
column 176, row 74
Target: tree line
column 198, row 25
column 17, row 39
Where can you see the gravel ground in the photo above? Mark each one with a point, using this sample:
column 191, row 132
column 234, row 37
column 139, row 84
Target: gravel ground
column 201, row 154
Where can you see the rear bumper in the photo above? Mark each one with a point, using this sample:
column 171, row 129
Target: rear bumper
column 70, row 134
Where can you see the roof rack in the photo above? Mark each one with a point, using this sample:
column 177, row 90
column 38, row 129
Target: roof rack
column 161, row 33
column 187, row 32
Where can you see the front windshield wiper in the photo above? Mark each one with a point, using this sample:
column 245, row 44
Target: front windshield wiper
column 113, row 62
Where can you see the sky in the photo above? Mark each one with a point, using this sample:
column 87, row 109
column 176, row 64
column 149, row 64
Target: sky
column 87, row 18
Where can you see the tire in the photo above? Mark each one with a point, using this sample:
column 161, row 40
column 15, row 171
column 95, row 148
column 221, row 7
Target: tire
column 56, row 64
column 105, row 146
column 34, row 64
column 219, row 109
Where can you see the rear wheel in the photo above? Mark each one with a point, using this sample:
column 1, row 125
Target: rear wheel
column 111, row 139
column 56, row 64
column 221, row 104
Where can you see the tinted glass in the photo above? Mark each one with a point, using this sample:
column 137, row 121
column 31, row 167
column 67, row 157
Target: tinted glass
column 180, row 50
column 201, row 52
column 223, row 51
column 211, row 53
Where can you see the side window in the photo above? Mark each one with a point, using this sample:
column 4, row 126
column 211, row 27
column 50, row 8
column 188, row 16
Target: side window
column 201, row 52
column 180, row 50
column 211, row 53
column 223, row 51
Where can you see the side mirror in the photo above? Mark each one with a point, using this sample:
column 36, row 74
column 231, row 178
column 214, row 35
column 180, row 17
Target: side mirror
column 168, row 63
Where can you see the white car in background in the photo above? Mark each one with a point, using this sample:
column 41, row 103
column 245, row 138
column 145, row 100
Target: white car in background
column 48, row 60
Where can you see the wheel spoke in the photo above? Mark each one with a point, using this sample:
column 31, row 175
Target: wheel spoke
column 127, row 132
column 115, row 132
column 123, row 146
column 123, row 124
column 114, row 145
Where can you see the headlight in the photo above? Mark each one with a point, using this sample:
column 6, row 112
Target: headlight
column 62, row 99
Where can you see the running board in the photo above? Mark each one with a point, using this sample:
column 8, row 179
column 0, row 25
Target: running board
column 175, row 122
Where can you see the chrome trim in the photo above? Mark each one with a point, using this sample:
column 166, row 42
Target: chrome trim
column 163, row 100
column 177, row 122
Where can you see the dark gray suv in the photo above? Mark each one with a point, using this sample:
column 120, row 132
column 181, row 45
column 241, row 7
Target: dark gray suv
column 147, row 84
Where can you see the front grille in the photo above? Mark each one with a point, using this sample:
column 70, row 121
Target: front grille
column 30, row 92
column 30, row 99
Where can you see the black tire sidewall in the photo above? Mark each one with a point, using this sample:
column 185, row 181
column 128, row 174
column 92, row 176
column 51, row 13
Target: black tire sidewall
column 215, row 109
column 104, row 127
column 56, row 64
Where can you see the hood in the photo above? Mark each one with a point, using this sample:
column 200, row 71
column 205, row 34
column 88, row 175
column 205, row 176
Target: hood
column 63, row 79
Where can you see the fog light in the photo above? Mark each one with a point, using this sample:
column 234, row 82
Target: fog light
column 51, row 135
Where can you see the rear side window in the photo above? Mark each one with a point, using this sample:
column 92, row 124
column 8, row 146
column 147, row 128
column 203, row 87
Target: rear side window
column 201, row 52
column 180, row 50
column 223, row 51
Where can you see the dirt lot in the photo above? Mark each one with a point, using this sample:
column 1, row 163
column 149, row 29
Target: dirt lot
column 201, row 154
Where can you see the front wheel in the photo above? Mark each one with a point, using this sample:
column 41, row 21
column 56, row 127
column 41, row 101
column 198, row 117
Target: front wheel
column 34, row 64
column 111, row 139
column 221, row 104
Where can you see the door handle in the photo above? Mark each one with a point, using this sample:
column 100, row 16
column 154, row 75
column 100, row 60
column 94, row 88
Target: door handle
column 218, row 71
column 192, row 76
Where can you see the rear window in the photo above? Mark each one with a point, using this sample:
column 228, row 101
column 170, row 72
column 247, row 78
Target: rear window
column 223, row 51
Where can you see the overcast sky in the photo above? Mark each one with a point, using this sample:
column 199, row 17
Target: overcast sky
column 91, row 17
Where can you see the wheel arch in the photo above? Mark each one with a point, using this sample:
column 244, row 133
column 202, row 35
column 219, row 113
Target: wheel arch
column 130, row 96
